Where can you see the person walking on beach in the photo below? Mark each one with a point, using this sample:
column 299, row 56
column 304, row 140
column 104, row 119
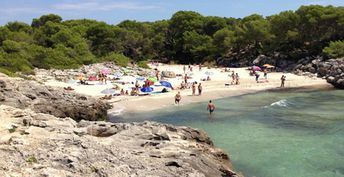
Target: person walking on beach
column 257, row 77
column 265, row 74
column 211, row 107
column 157, row 75
column 199, row 89
column 186, row 79
column 283, row 80
column 237, row 81
column 193, row 88
column 177, row 98
column 233, row 78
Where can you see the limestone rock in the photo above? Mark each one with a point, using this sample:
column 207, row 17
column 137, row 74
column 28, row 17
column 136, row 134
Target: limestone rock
column 63, row 147
column 331, row 69
column 43, row 99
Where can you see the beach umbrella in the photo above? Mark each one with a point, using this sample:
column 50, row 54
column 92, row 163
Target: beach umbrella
column 108, row 91
column 92, row 78
column 147, row 89
column 256, row 68
column 209, row 73
column 153, row 79
column 166, row 84
column 105, row 71
column 268, row 66
column 71, row 81
column 140, row 78
column 118, row 74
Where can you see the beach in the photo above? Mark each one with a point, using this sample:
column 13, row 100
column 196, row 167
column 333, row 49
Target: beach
column 218, row 87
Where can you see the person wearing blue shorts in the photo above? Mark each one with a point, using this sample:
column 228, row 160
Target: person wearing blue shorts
column 211, row 107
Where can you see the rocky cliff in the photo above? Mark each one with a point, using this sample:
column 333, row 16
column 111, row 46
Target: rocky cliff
column 37, row 144
column 22, row 93
column 332, row 70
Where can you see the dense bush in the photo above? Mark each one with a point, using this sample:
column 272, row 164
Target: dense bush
column 335, row 49
column 143, row 64
column 119, row 59
column 188, row 37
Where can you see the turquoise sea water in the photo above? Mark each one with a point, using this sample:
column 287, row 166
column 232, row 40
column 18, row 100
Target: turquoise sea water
column 270, row 134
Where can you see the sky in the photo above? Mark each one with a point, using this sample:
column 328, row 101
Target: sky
column 115, row 11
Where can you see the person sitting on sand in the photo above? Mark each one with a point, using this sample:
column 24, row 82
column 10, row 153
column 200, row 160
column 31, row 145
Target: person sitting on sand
column 182, row 85
column 133, row 92
column 199, row 89
column 106, row 97
column 126, row 92
column 69, row 88
column 211, row 107
column 122, row 92
column 137, row 85
column 177, row 98
column 164, row 90
column 208, row 78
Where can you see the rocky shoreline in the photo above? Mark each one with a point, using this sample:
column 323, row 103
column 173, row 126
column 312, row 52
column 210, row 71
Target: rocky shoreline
column 22, row 94
column 332, row 70
column 36, row 144
column 47, row 131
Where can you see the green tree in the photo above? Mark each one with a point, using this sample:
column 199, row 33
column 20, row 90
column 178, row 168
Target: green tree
column 335, row 49
column 36, row 23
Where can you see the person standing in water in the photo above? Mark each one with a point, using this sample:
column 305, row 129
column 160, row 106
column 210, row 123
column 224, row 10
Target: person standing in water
column 199, row 89
column 283, row 80
column 177, row 98
column 211, row 107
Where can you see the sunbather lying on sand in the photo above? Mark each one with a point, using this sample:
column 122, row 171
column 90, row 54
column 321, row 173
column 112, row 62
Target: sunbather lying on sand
column 69, row 88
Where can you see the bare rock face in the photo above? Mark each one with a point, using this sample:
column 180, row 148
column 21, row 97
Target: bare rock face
column 21, row 93
column 36, row 144
column 332, row 70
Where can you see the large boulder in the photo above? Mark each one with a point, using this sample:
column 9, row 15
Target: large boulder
column 21, row 93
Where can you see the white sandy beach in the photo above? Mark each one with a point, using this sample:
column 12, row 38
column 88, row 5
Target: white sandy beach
column 213, row 89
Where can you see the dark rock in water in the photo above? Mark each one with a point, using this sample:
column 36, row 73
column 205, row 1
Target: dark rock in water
column 43, row 99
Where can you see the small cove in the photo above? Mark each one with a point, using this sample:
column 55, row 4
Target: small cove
column 269, row 134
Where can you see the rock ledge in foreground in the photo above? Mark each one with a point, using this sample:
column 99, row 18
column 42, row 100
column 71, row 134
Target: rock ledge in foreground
column 22, row 94
column 36, row 144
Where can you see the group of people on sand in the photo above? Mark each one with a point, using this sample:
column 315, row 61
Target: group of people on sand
column 257, row 75
column 194, row 88
column 102, row 77
column 235, row 78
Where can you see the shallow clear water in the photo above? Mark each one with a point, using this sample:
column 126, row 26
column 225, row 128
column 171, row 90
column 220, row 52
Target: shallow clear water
column 270, row 134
